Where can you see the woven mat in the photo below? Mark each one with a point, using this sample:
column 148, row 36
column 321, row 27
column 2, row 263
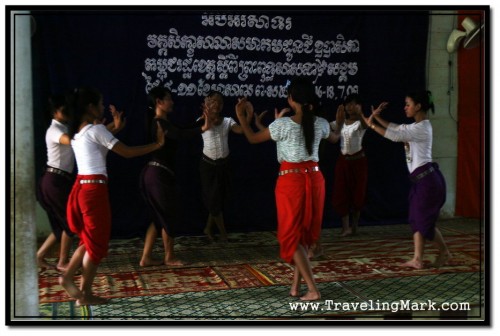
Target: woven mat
column 155, row 282
column 244, row 263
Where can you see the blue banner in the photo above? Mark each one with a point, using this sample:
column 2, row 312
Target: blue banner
column 380, row 54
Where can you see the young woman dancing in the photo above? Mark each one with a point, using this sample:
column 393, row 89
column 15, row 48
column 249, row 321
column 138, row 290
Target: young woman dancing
column 428, row 189
column 300, row 189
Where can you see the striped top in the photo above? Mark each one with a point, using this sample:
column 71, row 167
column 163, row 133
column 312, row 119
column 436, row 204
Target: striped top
column 290, row 142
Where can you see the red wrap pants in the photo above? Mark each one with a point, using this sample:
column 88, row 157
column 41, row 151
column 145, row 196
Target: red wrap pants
column 300, row 197
column 89, row 215
column 349, row 188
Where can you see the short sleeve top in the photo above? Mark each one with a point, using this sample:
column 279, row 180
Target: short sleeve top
column 91, row 145
column 290, row 141
column 58, row 155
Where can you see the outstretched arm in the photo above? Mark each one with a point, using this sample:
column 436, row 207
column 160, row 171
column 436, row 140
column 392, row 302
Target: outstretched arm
column 333, row 137
column 129, row 152
column 258, row 120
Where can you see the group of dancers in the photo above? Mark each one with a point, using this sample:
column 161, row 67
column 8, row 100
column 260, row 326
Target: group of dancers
column 81, row 206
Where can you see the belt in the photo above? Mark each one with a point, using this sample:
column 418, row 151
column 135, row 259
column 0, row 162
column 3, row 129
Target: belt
column 422, row 174
column 59, row 172
column 93, row 181
column 213, row 162
column 157, row 164
column 298, row 170
column 354, row 157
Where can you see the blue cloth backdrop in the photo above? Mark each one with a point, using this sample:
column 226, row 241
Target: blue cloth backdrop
column 239, row 51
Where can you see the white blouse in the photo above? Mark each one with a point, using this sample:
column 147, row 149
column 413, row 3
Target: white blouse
column 418, row 142
column 58, row 155
column 215, row 144
column 91, row 145
column 351, row 137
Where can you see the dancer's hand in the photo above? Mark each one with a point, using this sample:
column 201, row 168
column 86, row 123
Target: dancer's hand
column 340, row 116
column 281, row 113
column 379, row 109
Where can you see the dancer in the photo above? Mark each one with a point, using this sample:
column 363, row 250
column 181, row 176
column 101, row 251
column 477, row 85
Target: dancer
column 88, row 209
column 351, row 169
column 316, row 249
column 55, row 185
column 428, row 189
column 157, row 180
column 215, row 164
column 300, row 189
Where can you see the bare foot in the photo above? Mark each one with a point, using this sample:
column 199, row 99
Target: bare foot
column 413, row 263
column 91, row 300
column 44, row 264
column 311, row 296
column 62, row 267
column 346, row 232
column 209, row 234
column 441, row 259
column 145, row 262
column 173, row 262
column 294, row 292
column 315, row 251
column 70, row 287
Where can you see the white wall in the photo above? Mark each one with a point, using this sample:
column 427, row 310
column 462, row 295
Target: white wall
column 442, row 81
column 43, row 228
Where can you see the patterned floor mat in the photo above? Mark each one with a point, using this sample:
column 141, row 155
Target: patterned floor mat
column 361, row 268
column 359, row 299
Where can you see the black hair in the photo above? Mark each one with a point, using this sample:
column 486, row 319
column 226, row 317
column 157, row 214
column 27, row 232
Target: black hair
column 354, row 97
column 215, row 93
column 424, row 98
column 56, row 102
column 157, row 93
column 302, row 91
column 78, row 103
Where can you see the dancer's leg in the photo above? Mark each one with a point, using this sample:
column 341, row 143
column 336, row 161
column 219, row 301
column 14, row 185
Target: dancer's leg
column 66, row 280
column 444, row 253
column 295, row 290
column 302, row 263
column 346, row 229
column 168, row 244
column 219, row 221
column 44, row 249
column 355, row 221
column 147, row 252
column 208, row 227
column 66, row 242
column 316, row 250
column 418, row 242
column 88, row 275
